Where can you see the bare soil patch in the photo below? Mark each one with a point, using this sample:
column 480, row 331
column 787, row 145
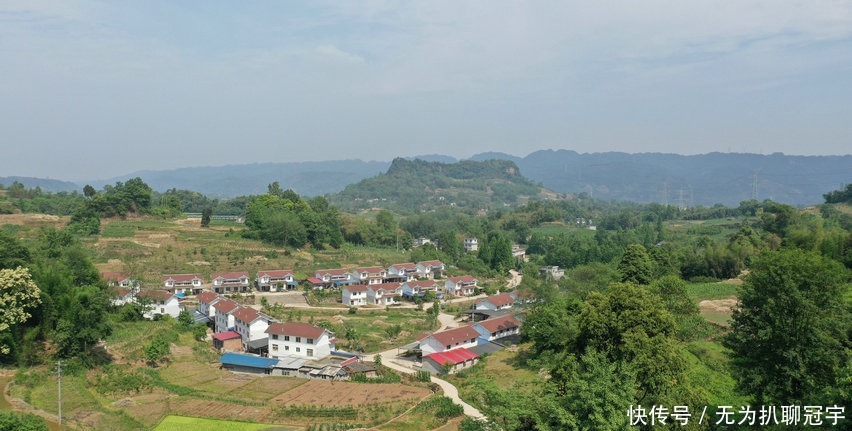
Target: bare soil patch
column 717, row 305
column 34, row 220
column 328, row 393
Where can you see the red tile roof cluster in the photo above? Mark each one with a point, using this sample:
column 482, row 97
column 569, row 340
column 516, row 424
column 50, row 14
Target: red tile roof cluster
column 500, row 300
column 453, row 357
column 387, row 287
column 422, row 284
column 207, row 296
column 369, row 270
column 338, row 271
column 295, row 329
column 275, row 273
column 246, row 314
column 405, row 266
column 457, row 335
column 431, row 263
column 227, row 335
column 225, row 306
column 502, row 323
column 181, row 277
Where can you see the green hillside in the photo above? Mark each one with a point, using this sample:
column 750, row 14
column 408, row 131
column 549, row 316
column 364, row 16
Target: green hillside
column 411, row 185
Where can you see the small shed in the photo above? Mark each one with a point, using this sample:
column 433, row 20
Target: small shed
column 241, row 363
column 228, row 341
column 449, row 361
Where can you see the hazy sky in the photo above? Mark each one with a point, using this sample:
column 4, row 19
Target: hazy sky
column 95, row 89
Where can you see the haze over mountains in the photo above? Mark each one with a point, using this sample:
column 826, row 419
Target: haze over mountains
column 705, row 179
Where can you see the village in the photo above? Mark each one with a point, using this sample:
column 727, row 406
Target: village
column 251, row 341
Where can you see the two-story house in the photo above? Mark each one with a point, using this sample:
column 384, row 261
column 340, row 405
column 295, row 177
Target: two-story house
column 206, row 300
column 402, row 272
column 498, row 327
column 460, row 286
column 334, row 277
column 224, row 319
column 230, row 282
column 275, row 280
column 299, row 340
column 369, row 275
column 120, row 279
column 384, row 294
column 159, row 302
column 471, row 244
column 251, row 326
column 503, row 301
column 354, row 295
column 430, row 269
column 411, row 289
column 465, row 336
column 183, row 284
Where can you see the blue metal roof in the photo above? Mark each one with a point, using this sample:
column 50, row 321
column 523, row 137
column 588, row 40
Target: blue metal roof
column 238, row 359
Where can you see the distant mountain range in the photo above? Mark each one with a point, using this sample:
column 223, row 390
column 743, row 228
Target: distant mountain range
column 706, row 179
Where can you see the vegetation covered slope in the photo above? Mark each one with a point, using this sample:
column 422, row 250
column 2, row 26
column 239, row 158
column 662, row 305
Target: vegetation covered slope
column 417, row 184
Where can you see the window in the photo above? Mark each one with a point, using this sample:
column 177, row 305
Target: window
column 286, row 338
column 310, row 352
column 162, row 310
column 286, row 348
column 274, row 336
column 310, row 341
column 274, row 347
column 298, row 349
column 298, row 339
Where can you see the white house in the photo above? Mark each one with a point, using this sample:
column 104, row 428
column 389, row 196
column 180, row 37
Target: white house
column 419, row 288
column 121, row 295
column 206, row 300
column 420, row 242
column 553, row 272
column 159, row 302
column 471, row 244
column 120, row 279
column 460, row 286
column 384, row 294
column 369, row 275
column 465, row 336
column 250, row 324
column 183, row 284
column 299, row 340
column 498, row 327
column 224, row 320
column 335, row 277
column 430, row 269
column 402, row 272
column 503, row 301
column 275, row 280
column 355, row 295
column 230, row 282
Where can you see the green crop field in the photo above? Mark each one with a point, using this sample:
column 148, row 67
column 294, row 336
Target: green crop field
column 184, row 423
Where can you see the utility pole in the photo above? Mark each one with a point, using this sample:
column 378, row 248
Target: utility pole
column 59, row 381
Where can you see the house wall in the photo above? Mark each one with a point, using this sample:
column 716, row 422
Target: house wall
column 255, row 331
column 170, row 307
column 287, row 345
column 485, row 333
column 232, row 345
column 431, row 345
column 224, row 321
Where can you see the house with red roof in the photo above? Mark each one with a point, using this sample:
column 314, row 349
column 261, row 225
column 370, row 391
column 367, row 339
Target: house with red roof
column 206, row 299
column 384, row 294
column 354, row 295
column 251, row 326
column 293, row 339
column 224, row 320
column 402, row 272
column 275, row 280
column 430, row 269
column 159, row 302
column 460, row 286
column 120, row 279
column 465, row 336
column 230, row 282
column 334, row 277
column 228, row 341
column 121, row 295
column 419, row 288
column 369, row 275
column 503, row 301
column 498, row 327
column 183, row 284
column 449, row 362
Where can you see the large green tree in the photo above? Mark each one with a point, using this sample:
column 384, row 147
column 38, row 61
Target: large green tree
column 18, row 296
column 636, row 265
column 790, row 333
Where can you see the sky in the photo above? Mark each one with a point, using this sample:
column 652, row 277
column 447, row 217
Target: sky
column 96, row 89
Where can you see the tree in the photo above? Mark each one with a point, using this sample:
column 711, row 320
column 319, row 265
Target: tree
column 158, row 350
column 89, row 191
column 14, row 421
column 18, row 294
column 12, row 253
column 790, row 333
column 206, row 214
column 636, row 265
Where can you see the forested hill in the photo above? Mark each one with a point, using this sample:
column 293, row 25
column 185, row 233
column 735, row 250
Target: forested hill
column 704, row 179
column 44, row 184
column 419, row 184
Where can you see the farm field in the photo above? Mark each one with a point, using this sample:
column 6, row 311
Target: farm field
column 185, row 423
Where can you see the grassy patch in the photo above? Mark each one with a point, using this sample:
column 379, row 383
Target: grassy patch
column 185, row 423
column 702, row 291
column 709, row 376
column 118, row 230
